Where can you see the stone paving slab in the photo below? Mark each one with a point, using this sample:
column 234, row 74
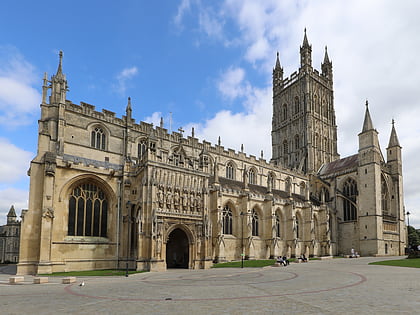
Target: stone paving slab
column 344, row 286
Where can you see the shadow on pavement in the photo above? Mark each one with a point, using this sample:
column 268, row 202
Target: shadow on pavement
column 8, row 269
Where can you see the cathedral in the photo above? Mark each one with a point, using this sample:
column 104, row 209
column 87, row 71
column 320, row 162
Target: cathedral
column 107, row 192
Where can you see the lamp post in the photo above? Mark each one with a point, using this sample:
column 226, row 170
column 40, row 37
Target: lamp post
column 242, row 239
column 408, row 217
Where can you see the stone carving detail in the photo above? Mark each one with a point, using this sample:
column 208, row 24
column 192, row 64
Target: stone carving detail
column 48, row 213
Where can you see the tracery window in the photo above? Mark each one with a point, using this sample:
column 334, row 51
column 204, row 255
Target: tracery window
column 88, row 211
column 142, row 149
column 384, row 197
column 252, row 177
column 324, row 195
column 227, row 220
column 204, row 163
column 230, row 169
column 349, row 201
column 98, row 138
column 254, row 221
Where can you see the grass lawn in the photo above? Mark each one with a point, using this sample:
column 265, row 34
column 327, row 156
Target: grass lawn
column 92, row 273
column 412, row 262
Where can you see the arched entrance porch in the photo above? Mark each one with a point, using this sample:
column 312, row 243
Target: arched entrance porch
column 177, row 250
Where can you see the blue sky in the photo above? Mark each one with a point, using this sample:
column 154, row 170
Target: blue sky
column 208, row 63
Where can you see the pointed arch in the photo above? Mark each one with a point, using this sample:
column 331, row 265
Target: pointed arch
column 385, row 200
column 99, row 136
column 252, row 175
column 349, row 200
column 230, row 170
column 227, row 221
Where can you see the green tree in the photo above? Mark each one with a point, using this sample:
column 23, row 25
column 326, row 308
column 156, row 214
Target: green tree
column 413, row 236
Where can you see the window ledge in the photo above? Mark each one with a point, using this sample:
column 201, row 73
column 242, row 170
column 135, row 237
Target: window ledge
column 85, row 240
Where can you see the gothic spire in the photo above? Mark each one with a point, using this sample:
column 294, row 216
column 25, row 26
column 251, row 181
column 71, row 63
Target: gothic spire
column 393, row 139
column 305, row 52
column 128, row 108
column 305, row 40
column 278, row 66
column 367, row 124
column 326, row 59
column 128, row 111
column 59, row 74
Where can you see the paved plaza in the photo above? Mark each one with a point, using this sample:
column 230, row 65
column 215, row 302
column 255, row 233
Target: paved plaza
column 335, row 286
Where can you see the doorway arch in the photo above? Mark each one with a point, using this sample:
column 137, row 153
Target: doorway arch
column 177, row 250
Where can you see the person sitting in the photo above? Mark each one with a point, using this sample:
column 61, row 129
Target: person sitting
column 303, row 258
column 286, row 261
column 281, row 261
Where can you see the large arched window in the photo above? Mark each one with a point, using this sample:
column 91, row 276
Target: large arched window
column 88, row 211
column 230, row 171
column 227, row 220
column 98, row 138
column 349, row 202
column 254, row 222
column 252, row 176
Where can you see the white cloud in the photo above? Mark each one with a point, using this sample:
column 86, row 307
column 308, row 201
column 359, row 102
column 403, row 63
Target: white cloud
column 154, row 118
column 9, row 197
column 183, row 7
column 231, row 83
column 123, row 77
column 210, row 24
column 19, row 100
column 14, row 162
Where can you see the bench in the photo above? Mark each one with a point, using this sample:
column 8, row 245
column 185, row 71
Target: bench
column 69, row 280
column 39, row 280
column 17, row 279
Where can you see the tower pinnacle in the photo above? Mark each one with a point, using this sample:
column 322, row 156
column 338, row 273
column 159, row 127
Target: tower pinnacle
column 393, row 139
column 305, row 52
column 367, row 123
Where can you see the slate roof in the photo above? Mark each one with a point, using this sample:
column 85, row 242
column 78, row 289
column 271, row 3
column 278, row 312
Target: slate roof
column 349, row 162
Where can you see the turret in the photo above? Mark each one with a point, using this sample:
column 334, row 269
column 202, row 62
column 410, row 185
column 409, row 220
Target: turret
column 277, row 76
column 11, row 216
column 368, row 140
column 305, row 53
column 326, row 66
column 393, row 151
column 59, row 84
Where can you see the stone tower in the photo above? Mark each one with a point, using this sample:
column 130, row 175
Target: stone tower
column 304, row 131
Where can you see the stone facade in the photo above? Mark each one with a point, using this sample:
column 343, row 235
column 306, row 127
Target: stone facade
column 107, row 192
column 9, row 238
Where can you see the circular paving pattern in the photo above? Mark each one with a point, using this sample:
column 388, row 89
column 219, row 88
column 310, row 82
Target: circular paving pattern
column 213, row 285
